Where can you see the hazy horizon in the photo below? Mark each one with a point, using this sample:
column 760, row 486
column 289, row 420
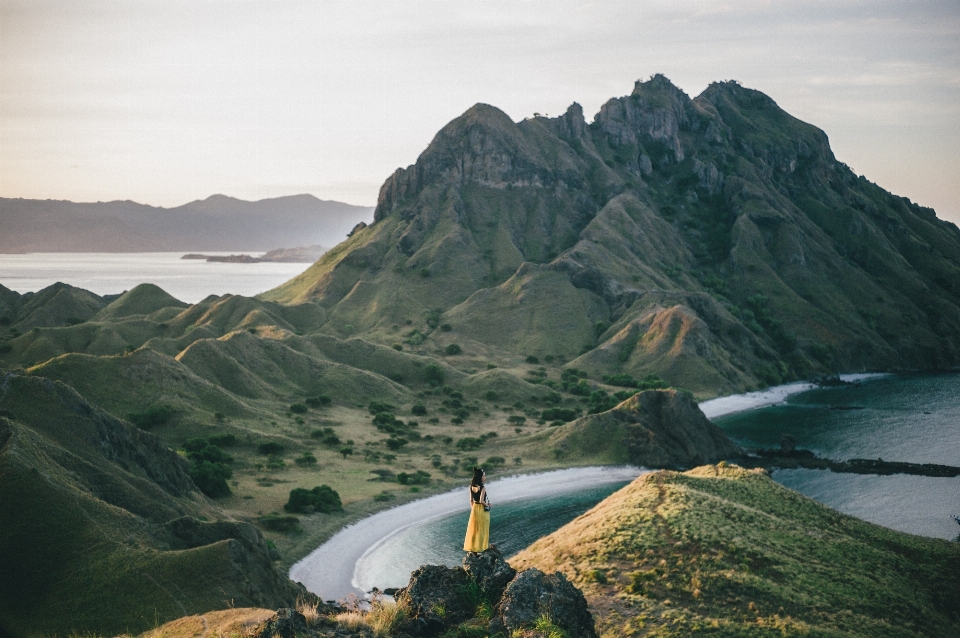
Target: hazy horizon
column 165, row 103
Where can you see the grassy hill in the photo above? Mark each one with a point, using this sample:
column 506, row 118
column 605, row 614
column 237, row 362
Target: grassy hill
column 102, row 528
column 714, row 241
column 722, row 551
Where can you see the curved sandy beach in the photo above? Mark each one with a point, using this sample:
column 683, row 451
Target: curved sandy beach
column 329, row 571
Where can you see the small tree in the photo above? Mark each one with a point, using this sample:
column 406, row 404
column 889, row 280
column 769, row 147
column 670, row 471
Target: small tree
column 346, row 451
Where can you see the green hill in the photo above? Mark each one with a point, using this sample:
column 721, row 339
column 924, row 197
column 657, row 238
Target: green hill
column 103, row 530
column 722, row 551
column 715, row 241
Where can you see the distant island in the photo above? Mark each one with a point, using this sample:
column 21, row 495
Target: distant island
column 215, row 224
column 298, row 255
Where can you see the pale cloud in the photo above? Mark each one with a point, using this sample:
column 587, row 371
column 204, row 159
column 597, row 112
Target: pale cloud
column 166, row 102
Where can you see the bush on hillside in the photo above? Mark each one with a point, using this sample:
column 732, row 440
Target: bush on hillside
column 417, row 478
column 298, row 408
column 433, row 374
column 418, row 410
column 318, row 401
column 559, row 414
column 151, row 417
column 469, row 443
column 278, row 523
column 453, row 349
column 209, row 467
column 322, row 499
column 269, row 448
column 306, row 459
column 376, row 407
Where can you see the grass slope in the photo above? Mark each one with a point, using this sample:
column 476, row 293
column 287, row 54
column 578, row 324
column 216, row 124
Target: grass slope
column 91, row 528
column 722, row 551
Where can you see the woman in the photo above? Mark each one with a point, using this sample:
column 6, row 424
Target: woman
column 478, row 529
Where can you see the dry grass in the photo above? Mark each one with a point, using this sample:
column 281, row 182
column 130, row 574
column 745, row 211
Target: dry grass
column 310, row 611
column 382, row 618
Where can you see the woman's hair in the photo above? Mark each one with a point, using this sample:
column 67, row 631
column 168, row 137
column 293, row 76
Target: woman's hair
column 477, row 477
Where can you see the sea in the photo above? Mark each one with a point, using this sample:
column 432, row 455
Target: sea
column 913, row 418
column 189, row 280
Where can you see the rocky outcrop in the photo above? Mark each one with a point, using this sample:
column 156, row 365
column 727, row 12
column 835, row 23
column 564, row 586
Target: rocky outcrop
column 435, row 599
column 439, row 598
column 490, row 571
column 533, row 595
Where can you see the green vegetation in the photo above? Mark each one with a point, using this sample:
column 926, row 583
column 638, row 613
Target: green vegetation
column 210, row 467
column 152, row 417
column 728, row 552
column 320, row 499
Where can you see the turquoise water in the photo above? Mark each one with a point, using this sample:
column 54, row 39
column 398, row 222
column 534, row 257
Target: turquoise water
column 513, row 526
column 912, row 418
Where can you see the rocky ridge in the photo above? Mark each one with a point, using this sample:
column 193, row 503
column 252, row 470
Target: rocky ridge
column 715, row 241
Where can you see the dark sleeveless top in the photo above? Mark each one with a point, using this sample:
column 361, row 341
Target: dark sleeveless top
column 478, row 494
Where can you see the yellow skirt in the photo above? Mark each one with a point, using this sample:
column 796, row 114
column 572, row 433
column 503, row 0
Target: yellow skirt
column 478, row 530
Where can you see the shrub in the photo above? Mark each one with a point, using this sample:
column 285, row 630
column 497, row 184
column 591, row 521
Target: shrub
column 433, row 374
column 491, row 395
column 453, row 349
column 384, row 496
column 532, row 359
column 5, row 348
column 223, row 440
column 320, row 499
column 306, row 459
column 417, row 478
column 279, row 523
column 270, row 447
column 376, row 407
column 395, row 443
column 418, row 410
column 495, row 461
column 559, row 414
column 346, row 451
column 318, row 401
column 469, row 443
column 446, row 327
column 298, row 408
column 211, row 478
column 151, row 417
column 398, row 347
column 516, row 419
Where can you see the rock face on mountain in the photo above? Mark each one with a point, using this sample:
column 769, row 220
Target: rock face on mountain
column 103, row 529
column 654, row 428
column 715, row 241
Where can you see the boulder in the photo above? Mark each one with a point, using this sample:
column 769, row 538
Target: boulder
column 435, row 599
column 532, row 595
column 287, row 623
column 491, row 572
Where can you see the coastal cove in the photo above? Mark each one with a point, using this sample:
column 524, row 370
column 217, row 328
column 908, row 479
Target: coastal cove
column 381, row 550
column 908, row 418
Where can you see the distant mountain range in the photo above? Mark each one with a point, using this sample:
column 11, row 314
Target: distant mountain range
column 218, row 223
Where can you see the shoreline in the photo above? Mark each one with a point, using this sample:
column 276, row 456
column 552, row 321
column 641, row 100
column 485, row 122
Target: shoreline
column 330, row 570
column 734, row 403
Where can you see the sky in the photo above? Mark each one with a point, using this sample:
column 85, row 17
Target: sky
column 171, row 101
